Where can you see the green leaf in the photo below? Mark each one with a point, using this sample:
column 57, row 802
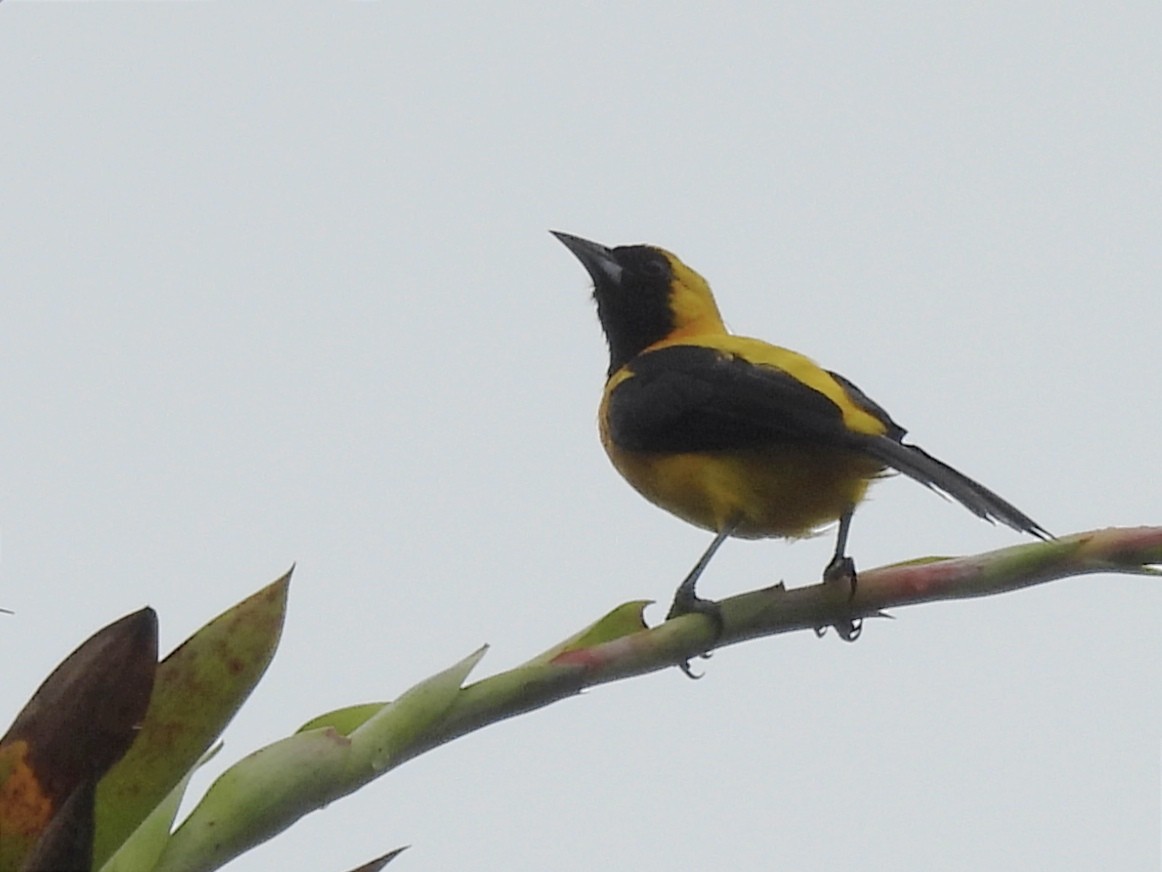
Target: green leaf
column 624, row 620
column 344, row 720
column 258, row 797
column 377, row 743
column 266, row 792
column 145, row 845
column 198, row 689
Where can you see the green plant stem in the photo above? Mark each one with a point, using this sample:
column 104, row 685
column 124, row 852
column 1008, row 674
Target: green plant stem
column 774, row 610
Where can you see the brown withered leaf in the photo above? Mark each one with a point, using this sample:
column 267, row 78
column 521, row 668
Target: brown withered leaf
column 80, row 721
column 66, row 844
column 379, row 862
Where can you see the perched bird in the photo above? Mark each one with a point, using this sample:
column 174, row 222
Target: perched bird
column 735, row 435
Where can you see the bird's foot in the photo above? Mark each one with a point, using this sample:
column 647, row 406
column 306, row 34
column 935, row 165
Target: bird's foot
column 841, row 577
column 686, row 602
column 840, row 573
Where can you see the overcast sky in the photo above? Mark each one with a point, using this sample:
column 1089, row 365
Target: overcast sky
column 277, row 288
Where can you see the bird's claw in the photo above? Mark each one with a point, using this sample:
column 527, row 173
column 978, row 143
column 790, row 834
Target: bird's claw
column 839, row 574
column 841, row 570
column 686, row 603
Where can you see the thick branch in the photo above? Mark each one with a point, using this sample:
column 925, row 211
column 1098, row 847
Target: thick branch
column 775, row 610
column 331, row 759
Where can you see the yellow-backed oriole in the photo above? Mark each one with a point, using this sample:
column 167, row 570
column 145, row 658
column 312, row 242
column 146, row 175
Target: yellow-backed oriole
column 735, row 435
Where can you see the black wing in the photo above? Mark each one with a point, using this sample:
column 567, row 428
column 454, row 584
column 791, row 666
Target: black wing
column 690, row 398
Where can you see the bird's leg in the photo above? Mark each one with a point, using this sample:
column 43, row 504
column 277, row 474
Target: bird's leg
column 840, row 572
column 686, row 601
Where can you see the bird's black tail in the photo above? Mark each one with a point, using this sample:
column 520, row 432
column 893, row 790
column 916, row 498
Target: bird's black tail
column 923, row 467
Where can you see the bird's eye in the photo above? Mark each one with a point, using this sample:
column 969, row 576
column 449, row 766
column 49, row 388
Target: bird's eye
column 653, row 269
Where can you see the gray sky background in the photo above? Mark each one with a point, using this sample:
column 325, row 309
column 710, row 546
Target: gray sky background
column 277, row 287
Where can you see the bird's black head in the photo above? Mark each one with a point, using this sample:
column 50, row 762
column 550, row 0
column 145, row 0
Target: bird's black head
column 643, row 294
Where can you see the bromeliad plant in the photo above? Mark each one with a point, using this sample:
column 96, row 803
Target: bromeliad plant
column 94, row 768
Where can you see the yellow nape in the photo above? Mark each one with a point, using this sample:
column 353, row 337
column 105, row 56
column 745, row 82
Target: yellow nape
column 691, row 302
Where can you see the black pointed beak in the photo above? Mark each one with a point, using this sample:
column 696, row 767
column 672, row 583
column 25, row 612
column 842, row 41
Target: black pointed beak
column 598, row 260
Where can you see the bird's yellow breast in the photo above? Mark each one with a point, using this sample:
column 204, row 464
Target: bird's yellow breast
column 785, row 491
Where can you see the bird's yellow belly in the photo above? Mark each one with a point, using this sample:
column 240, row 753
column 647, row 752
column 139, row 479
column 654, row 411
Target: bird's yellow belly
column 781, row 491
